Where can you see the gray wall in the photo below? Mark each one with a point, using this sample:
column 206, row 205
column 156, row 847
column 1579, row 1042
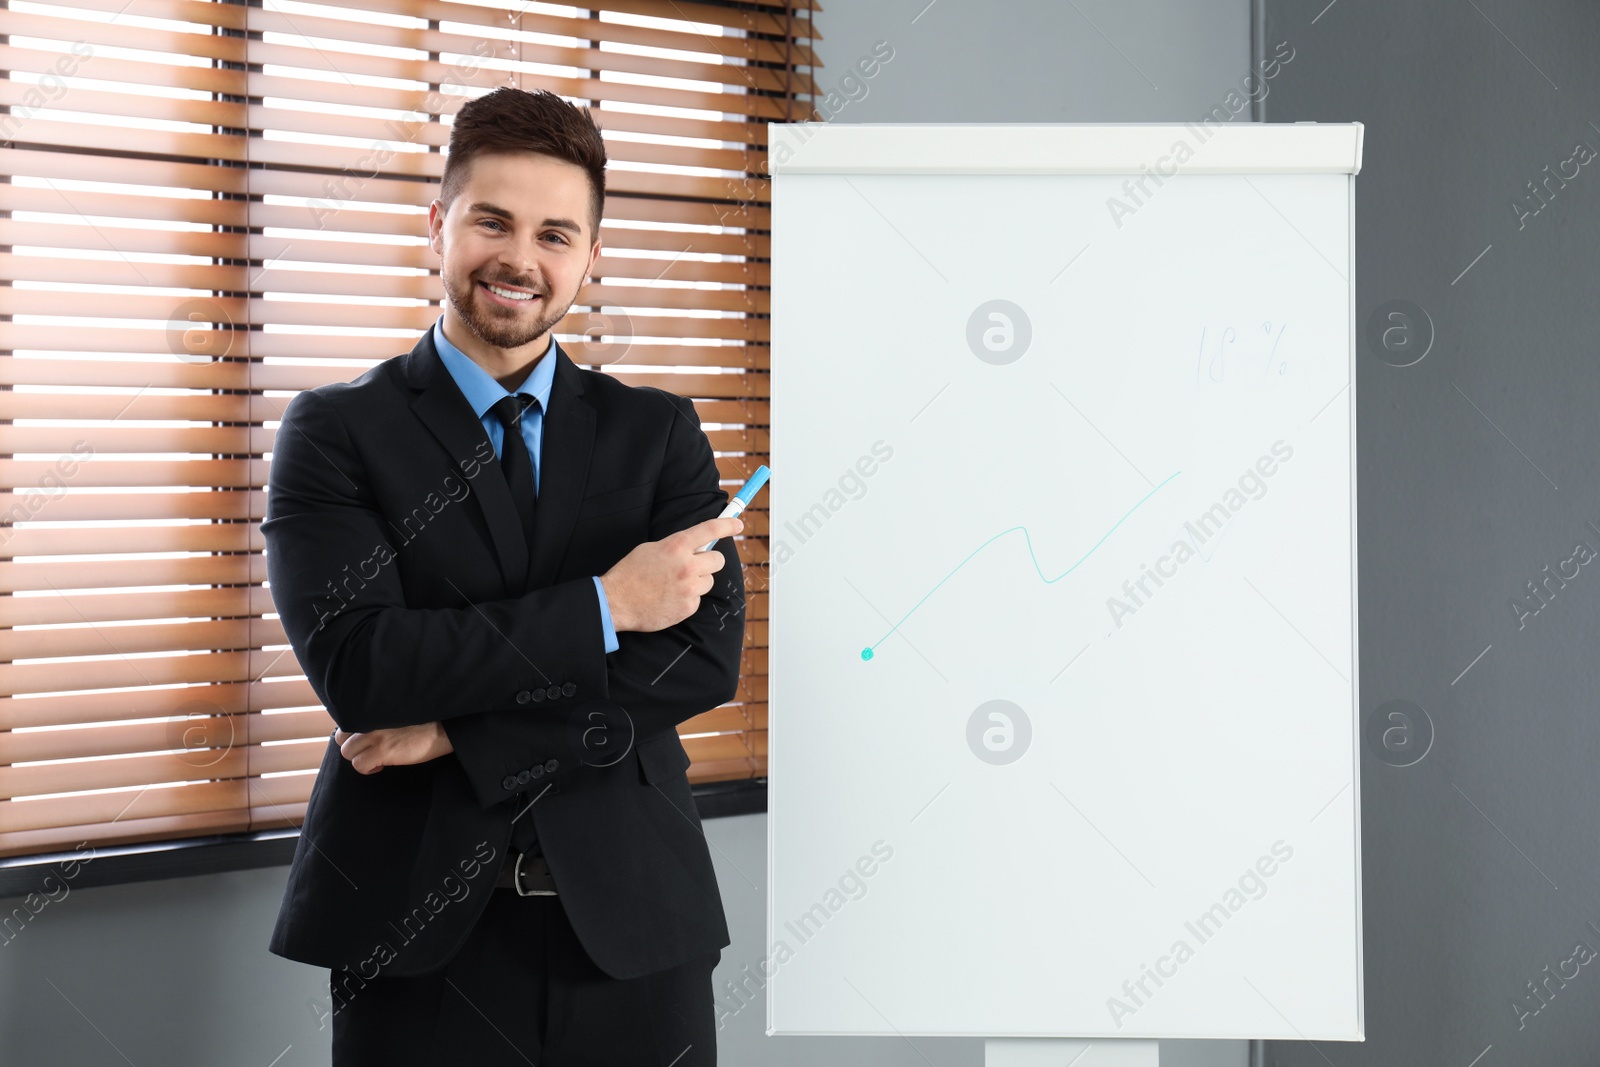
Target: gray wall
column 1033, row 60
column 177, row 973
column 1481, row 871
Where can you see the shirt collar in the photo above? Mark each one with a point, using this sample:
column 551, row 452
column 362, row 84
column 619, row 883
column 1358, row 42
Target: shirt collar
column 480, row 388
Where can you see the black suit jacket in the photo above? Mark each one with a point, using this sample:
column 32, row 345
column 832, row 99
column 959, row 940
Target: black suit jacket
column 402, row 578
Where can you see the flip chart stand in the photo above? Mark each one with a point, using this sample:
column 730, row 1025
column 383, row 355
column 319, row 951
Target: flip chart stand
column 1062, row 1052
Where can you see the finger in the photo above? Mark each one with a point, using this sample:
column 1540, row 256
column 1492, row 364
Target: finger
column 354, row 745
column 708, row 562
column 369, row 758
column 712, row 530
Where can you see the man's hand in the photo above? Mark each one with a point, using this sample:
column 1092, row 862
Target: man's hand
column 660, row 583
column 371, row 752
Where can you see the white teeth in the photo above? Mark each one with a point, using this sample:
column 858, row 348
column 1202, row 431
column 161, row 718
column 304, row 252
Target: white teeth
column 509, row 294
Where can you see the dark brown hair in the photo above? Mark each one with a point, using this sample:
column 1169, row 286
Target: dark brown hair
column 519, row 120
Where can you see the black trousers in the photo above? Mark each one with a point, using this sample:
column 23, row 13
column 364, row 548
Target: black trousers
column 523, row 991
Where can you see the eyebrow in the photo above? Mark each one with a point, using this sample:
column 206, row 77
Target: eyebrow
column 486, row 208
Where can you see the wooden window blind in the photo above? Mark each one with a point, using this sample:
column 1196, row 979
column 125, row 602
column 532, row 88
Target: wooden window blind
column 208, row 206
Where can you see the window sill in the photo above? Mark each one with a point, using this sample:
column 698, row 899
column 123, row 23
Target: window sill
column 150, row 861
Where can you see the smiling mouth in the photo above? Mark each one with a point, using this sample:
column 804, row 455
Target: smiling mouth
column 508, row 300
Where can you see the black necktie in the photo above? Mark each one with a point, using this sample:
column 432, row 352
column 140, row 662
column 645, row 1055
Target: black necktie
column 518, row 468
column 514, row 458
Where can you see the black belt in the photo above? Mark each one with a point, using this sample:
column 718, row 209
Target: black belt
column 529, row 874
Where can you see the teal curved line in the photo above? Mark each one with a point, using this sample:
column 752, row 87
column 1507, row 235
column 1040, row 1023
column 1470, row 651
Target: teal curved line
column 866, row 653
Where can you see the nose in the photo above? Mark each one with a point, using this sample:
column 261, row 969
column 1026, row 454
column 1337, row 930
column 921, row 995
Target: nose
column 519, row 263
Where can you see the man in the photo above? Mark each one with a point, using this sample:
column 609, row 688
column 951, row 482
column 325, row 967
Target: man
column 486, row 560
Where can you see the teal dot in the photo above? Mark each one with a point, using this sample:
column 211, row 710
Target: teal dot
column 866, row 653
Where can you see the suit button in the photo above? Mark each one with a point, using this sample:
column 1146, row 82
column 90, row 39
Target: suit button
column 537, row 771
column 522, row 777
column 510, row 782
column 537, row 695
column 524, row 696
column 568, row 689
column 551, row 765
column 554, row 692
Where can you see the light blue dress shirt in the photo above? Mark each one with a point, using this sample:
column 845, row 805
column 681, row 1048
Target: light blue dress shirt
column 483, row 392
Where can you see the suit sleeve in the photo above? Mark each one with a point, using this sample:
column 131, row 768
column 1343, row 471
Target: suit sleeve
column 653, row 680
column 668, row 676
column 374, row 662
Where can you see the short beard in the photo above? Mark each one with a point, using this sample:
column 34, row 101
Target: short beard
column 496, row 326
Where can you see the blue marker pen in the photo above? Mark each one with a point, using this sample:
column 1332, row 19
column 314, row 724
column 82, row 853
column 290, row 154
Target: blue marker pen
column 742, row 498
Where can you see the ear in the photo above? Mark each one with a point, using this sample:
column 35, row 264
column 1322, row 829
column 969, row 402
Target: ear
column 436, row 228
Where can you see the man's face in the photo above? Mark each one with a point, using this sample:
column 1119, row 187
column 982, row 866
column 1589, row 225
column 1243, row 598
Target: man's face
column 521, row 223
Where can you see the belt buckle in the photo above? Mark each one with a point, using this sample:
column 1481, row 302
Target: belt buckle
column 516, row 881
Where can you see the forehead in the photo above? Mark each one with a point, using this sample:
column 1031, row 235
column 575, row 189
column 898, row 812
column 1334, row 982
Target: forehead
column 526, row 183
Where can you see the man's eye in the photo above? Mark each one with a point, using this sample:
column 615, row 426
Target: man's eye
column 557, row 236
column 489, row 222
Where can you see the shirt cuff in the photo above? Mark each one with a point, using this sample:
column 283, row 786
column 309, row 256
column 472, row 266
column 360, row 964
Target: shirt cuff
column 605, row 617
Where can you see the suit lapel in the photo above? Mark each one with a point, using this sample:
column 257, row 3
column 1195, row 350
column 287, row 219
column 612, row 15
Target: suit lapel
column 566, row 443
